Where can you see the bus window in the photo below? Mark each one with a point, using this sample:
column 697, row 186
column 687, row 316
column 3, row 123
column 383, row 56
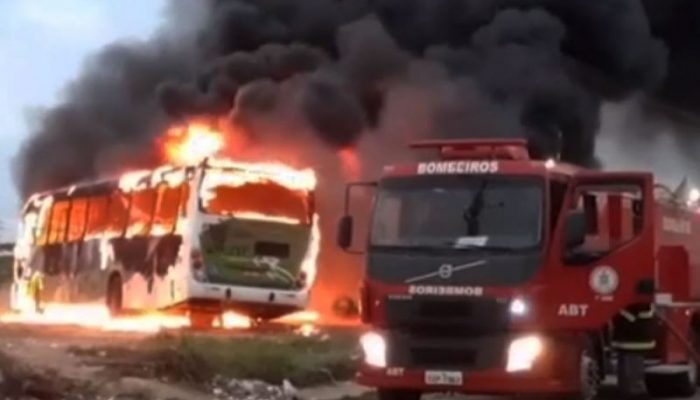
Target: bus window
column 59, row 222
column 28, row 227
column 97, row 216
column 42, row 233
column 184, row 196
column 167, row 209
column 258, row 199
column 141, row 214
column 77, row 220
column 117, row 213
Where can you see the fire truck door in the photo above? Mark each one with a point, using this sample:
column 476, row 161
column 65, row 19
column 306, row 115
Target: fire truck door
column 615, row 217
column 617, row 249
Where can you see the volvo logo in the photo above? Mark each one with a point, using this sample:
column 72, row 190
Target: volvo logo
column 445, row 271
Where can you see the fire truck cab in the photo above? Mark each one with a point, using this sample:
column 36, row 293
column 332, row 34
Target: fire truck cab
column 488, row 272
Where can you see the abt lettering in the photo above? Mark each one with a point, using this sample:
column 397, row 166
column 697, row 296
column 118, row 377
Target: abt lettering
column 457, row 167
column 573, row 310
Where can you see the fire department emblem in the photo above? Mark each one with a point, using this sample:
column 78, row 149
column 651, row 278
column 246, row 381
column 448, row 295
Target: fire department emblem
column 604, row 280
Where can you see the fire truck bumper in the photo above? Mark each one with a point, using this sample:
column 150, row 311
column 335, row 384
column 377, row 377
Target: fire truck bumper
column 496, row 382
column 528, row 364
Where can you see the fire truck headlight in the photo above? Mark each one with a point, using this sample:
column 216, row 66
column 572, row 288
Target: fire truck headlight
column 519, row 307
column 374, row 347
column 523, row 353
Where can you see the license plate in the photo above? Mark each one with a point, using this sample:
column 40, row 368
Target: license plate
column 443, row 378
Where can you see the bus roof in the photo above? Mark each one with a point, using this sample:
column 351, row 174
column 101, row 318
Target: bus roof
column 102, row 186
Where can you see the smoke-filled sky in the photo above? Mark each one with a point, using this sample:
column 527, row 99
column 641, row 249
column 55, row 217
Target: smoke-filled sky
column 345, row 71
column 43, row 45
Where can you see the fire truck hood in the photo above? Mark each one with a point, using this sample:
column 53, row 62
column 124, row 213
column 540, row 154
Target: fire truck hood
column 482, row 268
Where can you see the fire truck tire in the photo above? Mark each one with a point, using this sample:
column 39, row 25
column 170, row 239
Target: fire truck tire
column 590, row 375
column 115, row 295
column 680, row 384
column 694, row 335
column 396, row 394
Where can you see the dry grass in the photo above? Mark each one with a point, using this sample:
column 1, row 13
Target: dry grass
column 198, row 359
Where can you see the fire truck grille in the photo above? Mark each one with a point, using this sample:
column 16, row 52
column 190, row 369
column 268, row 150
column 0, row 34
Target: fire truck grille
column 466, row 354
column 437, row 357
column 447, row 317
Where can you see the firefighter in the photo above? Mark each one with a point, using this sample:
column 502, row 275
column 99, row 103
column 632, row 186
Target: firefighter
column 633, row 337
column 35, row 287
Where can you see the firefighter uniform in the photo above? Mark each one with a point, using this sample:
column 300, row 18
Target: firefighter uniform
column 633, row 336
column 35, row 287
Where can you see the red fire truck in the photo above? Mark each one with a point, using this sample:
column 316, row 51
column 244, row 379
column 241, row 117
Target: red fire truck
column 488, row 272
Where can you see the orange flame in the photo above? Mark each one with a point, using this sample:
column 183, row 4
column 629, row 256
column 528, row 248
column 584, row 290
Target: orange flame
column 94, row 316
column 185, row 145
column 97, row 316
column 192, row 143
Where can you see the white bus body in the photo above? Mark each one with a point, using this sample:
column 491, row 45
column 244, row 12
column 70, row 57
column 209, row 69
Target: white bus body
column 211, row 241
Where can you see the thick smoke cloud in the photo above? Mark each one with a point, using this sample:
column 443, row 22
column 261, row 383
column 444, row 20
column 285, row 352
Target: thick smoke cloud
column 534, row 68
column 306, row 80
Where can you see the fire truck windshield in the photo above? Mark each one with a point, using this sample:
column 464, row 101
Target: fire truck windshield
column 459, row 213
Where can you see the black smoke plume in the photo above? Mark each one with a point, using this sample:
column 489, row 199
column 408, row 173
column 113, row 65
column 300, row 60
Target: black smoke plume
column 533, row 68
column 319, row 77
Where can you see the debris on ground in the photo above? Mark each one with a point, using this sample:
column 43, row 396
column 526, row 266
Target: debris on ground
column 57, row 363
column 197, row 360
column 249, row 389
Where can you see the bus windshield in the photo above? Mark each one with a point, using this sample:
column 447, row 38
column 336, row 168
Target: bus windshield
column 228, row 193
column 458, row 212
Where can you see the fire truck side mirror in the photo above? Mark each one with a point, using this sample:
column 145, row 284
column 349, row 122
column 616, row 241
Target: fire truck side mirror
column 345, row 232
column 576, row 228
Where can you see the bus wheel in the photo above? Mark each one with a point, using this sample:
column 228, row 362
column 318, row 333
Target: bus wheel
column 114, row 295
column 396, row 394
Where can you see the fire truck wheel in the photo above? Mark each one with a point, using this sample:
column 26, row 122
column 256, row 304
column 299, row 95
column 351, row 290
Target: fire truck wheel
column 590, row 376
column 114, row 295
column 395, row 394
column 673, row 384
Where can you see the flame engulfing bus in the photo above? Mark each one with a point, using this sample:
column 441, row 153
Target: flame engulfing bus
column 202, row 239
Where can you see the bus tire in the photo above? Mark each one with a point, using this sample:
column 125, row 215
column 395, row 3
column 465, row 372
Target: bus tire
column 681, row 384
column 115, row 296
column 398, row 394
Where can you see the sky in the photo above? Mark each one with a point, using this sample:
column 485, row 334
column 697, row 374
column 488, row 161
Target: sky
column 43, row 45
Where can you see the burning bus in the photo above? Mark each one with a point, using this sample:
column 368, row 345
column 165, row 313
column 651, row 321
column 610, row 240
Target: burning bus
column 198, row 239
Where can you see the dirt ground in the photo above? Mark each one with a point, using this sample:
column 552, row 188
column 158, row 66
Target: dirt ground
column 42, row 364
column 59, row 362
